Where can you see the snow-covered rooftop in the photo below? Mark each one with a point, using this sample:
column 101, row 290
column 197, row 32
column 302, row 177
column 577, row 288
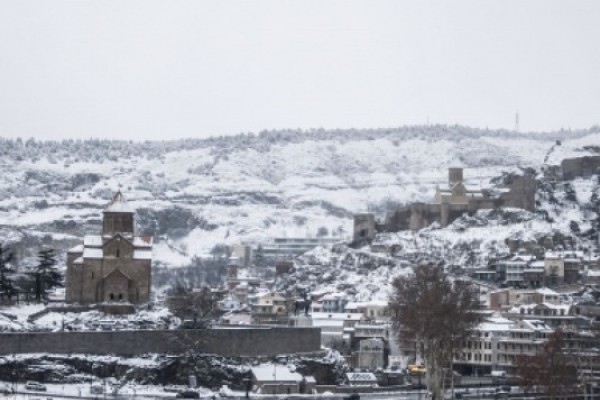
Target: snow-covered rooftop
column 142, row 254
column 90, row 252
column 92, row 241
column 338, row 316
column 118, row 204
column 275, row 373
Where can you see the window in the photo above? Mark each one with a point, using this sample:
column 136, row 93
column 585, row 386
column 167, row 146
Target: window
column 120, row 296
column 112, row 296
column 118, row 253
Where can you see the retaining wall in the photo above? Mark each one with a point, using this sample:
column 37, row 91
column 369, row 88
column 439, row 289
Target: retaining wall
column 249, row 342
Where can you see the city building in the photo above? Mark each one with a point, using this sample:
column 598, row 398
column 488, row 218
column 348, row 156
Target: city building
column 269, row 308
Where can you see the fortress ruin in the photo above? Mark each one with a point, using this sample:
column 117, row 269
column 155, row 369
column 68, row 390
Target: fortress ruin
column 449, row 204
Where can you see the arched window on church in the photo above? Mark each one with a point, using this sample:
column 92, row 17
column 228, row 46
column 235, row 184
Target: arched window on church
column 120, row 296
column 118, row 253
column 112, row 296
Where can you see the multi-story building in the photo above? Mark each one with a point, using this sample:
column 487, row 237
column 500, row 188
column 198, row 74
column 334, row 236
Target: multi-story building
column 371, row 354
column 533, row 275
column 285, row 248
column 512, row 271
column 504, row 299
column 479, row 354
column 526, row 337
column 554, row 315
column 554, row 269
column 269, row 308
column 333, row 302
column 374, row 310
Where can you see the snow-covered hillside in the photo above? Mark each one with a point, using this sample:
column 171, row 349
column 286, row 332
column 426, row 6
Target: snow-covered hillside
column 195, row 194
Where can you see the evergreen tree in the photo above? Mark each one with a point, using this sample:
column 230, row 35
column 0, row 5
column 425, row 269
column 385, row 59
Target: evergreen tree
column 7, row 288
column 259, row 257
column 46, row 274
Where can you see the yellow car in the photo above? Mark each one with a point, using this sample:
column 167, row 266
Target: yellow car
column 416, row 369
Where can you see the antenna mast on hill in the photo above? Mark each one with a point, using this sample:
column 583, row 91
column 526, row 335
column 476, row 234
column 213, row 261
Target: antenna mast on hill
column 517, row 122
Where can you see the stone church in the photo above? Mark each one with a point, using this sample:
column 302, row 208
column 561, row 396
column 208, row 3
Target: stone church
column 114, row 267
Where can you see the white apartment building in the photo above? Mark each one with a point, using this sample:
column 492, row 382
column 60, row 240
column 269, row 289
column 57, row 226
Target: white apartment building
column 526, row 337
column 479, row 354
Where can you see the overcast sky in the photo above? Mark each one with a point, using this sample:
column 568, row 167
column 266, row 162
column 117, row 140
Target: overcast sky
column 168, row 69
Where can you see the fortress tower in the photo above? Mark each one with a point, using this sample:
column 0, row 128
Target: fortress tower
column 455, row 175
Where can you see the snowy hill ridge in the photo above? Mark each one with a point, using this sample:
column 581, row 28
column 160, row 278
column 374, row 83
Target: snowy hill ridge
column 194, row 194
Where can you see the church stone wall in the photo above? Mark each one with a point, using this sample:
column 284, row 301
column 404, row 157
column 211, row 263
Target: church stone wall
column 118, row 246
column 90, row 278
column 117, row 222
column 73, row 274
column 232, row 342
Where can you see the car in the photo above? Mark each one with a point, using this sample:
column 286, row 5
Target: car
column 353, row 396
column 36, row 386
column 188, row 394
column 416, row 369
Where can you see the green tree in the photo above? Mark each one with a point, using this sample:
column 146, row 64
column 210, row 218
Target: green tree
column 551, row 371
column 438, row 314
column 7, row 288
column 46, row 274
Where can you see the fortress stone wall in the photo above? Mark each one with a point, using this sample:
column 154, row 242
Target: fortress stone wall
column 521, row 194
column 580, row 167
column 250, row 342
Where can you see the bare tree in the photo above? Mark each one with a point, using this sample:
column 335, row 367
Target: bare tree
column 438, row 314
column 186, row 303
column 550, row 371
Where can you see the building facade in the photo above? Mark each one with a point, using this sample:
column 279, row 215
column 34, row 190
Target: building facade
column 113, row 267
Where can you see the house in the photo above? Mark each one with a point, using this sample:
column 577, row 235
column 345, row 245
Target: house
column 335, row 327
column 503, row 299
column 333, row 302
column 554, row 269
column 279, row 379
column 371, row 354
column 114, row 267
column 269, row 308
column 512, row 271
column 373, row 310
column 236, row 318
column 533, row 275
column 229, row 303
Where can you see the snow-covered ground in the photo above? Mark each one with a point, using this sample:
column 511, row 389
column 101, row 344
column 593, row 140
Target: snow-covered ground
column 266, row 189
column 19, row 318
